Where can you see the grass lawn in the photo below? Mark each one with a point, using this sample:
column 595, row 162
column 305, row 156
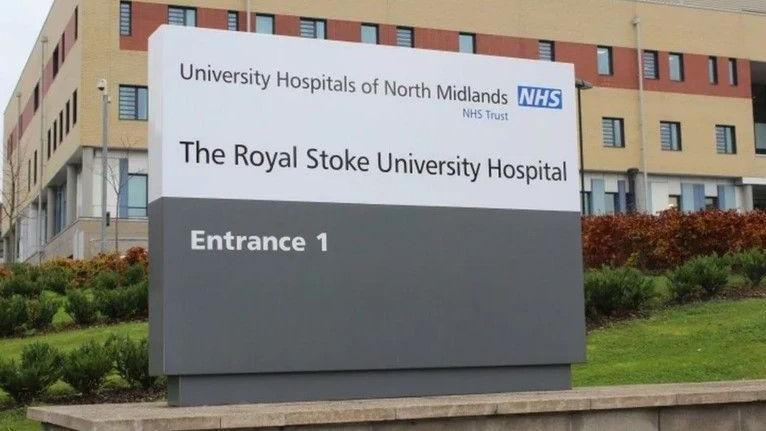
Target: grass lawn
column 720, row 340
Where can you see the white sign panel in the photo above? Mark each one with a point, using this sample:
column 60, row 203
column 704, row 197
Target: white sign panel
column 263, row 117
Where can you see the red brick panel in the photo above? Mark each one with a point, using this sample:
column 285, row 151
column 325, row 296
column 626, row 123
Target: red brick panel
column 243, row 21
column 48, row 75
column 442, row 40
column 287, row 25
column 348, row 31
column 69, row 31
column 147, row 17
column 506, row 46
column 213, row 18
column 387, row 34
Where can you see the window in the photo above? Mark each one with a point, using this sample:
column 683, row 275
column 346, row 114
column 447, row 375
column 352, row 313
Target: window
column 55, row 60
column 74, row 108
column 37, row 97
column 370, row 34
column 611, row 203
column 711, row 203
column 712, row 70
column 467, row 43
column 670, row 136
column 312, row 28
column 61, row 127
column 68, row 116
column 63, row 47
column 49, row 144
column 725, row 140
column 134, row 103
column 233, row 20
column 137, row 195
column 185, row 16
column 405, row 37
column 614, row 133
column 55, row 135
column 76, row 22
column 733, row 76
column 126, row 18
column 546, row 50
column 674, row 201
column 676, row 67
column 29, row 175
column 604, row 54
column 585, row 206
column 264, row 24
column 34, row 169
column 650, row 60
column 59, row 209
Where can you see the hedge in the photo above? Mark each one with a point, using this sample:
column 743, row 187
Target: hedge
column 661, row 242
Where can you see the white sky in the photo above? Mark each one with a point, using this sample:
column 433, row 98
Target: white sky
column 20, row 23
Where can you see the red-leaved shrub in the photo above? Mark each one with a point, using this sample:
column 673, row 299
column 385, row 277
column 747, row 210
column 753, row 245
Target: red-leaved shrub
column 661, row 242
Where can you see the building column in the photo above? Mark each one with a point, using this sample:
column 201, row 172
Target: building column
column 49, row 213
column 87, row 181
column 640, row 194
column 747, row 194
column 71, row 194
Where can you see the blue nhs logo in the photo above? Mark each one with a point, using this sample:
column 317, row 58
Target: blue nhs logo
column 539, row 97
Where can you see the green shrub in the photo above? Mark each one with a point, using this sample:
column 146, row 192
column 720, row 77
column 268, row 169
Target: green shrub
column 616, row 292
column 105, row 280
column 39, row 368
column 751, row 263
column 699, row 278
column 86, row 367
column 21, row 284
column 40, row 311
column 134, row 274
column 123, row 303
column 55, row 279
column 13, row 315
column 131, row 359
column 81, row 307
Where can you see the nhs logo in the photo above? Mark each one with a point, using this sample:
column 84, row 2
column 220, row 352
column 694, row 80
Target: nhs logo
column 540, row 97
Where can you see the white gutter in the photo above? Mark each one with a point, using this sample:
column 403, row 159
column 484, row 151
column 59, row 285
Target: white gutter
column 641, row 119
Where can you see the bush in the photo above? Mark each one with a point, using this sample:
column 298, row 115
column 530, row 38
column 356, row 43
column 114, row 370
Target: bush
column 21, row 284
column 105, row 280
column 81, row 307
column 662, row 242
column 86, row 367
column 700, row 278
column 56, row 279
column 40, row 311
column 39, row 368
column 131, row 359
column 137, row 255
column 123, row 303
column 751, row 263
column 134, row 274
column 616, row 292
column 13, row 315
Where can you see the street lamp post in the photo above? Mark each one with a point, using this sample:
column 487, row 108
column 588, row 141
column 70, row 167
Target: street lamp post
column 581, row 85
column 102, row 85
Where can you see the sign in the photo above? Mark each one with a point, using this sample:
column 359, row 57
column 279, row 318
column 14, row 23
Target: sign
column 336, row 220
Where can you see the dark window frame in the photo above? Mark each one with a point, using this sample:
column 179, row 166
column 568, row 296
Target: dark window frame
column 229, row 15
column 36, row 97
column 672, row 124
column 315, row 23
column 621, row 122
column 55, row 59
column 552, row 45
column 733, row 139
column 377, row 32
column 712, row 70
column 135, row 116
column 655, row 59
column 733, row 72
column 185, row 9
column 473, row 42
column 145, row 208
column 681, row 67
column 411, row 30
column 74, row 107
column 610, row 64
column 270, row 17
column 126, row 28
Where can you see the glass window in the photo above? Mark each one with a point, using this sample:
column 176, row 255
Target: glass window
column 264, row 24
column 68, row 110
column 61, row 126
column 733, row 75
column 405, row 37
column 676, row 67
column 650, row 65
column 674, row 202
column 312, row 28
column 670, row 136
column 712, row 70
column 185, row 16
column 134, row 102
column 604, row 54
column 37, row 96
column 370, row 34
column 59, row 209
column 467, row 43
column 585, row 206
column 137, row 195
column 613, row 131
column 74, row 107
column 725, row 140
column 126, row 18
column 55, row 61
column 711, row 203
column 611, row 203
column 232, row 22
column 546, row 50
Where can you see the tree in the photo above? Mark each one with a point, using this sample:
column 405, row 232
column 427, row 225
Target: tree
column 15, row 196
column 119, row 184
